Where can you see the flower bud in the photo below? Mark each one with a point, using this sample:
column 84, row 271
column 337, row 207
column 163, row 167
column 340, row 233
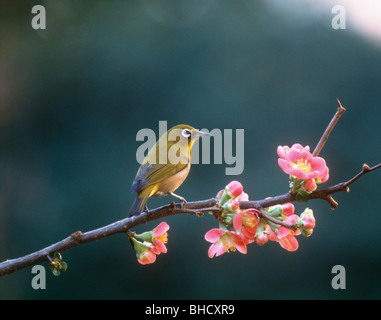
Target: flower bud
column 310, row 185
column 144, row 252
column 232, row 190
column 275, row 211
column 306, row 232
column 307, row 221
column 231, row 206
column 261, row 235
column 288, row 209
column 261, row 238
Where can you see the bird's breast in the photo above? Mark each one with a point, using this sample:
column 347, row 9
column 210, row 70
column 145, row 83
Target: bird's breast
column 173, row 182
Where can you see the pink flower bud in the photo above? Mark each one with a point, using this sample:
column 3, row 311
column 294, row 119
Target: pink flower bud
column 310, row 185
column 144, row 252
column 261, row 238
column 308, row 219
column 234, row 188
column 288, row 209
column 146, row 257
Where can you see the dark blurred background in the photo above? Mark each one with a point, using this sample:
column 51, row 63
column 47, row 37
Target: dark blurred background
column 73, row 97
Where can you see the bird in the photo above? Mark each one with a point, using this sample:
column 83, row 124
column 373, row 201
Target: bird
column 161, row 173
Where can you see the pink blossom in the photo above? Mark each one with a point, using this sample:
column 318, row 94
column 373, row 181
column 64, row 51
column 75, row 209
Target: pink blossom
column 285, row 236
column 299, row 162
column 246, row 222
column 160, row 237
column 223, row 241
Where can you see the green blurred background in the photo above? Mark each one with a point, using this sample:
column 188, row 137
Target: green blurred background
column 73, row 97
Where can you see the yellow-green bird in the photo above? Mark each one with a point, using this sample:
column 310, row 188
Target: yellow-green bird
column 165, row 167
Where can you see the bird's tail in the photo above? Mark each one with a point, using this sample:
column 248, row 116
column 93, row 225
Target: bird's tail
column 137, row 207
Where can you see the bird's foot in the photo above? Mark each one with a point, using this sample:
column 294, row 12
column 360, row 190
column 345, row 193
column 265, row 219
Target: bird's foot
column 182, row 200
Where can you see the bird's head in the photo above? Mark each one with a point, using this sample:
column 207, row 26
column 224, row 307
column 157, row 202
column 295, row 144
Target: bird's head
column 185, row 135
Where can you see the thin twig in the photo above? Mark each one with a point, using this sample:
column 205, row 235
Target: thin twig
column 276, row 221
column 324, row 137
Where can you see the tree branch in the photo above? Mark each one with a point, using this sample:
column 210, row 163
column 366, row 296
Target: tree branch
column 197, row 208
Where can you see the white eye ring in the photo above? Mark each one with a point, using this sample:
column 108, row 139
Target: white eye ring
column 186, row 133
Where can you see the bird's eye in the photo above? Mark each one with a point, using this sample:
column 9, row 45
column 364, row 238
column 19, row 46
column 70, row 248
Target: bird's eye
column 186, row 133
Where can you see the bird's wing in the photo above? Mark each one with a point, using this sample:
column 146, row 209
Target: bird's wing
column 149, row 174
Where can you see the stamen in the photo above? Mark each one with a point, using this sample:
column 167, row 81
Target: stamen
column 228, row 242
column 303, row 165
column 249, row 221
column 163, row 238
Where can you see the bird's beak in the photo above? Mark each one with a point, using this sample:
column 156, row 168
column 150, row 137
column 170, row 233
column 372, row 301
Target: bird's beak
column 202, row 134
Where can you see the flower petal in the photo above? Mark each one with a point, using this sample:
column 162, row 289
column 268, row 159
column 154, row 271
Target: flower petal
column 220, row 250
column 283, row 232
column 271, row 234
column 214, row 235
column 289, row 243
column 240, row 245
column 243, row 197
column 318, row 164
column 160, row 247
column 296, row 172
column 161, row 229
column 147, row 258
column 294, row 155
column 288, row 209
column 285, row 165
column 282, row 152
column 237, row 221
column 212, row 250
